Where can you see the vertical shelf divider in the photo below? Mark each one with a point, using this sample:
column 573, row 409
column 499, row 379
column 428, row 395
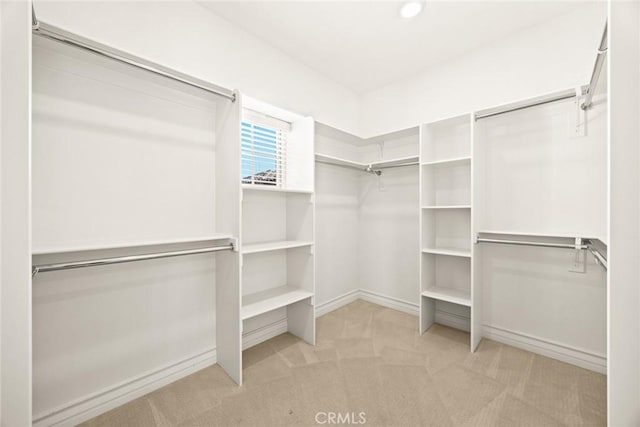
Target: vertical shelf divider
column 477, row 201
column 228, row 213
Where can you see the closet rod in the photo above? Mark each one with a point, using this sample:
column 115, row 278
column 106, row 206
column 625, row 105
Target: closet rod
column 597, row 68
column 560, row 96
column 53, row 33
column 587, row 245
column 525, row 243
column 43, row 268
column 399, row 166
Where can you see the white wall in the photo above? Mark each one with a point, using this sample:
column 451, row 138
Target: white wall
column 183, row 35
column 388, row 221
column 535, row 177
column 15, row 214
column 187, row 37
column 624, row 215
column 367, row 227
column 337, row 191
column 552, row 56
column 120, row 159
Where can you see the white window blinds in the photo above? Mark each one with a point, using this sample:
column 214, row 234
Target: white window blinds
column 264, row 149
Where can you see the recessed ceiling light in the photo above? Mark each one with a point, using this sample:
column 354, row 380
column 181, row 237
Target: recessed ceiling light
column 411, row 9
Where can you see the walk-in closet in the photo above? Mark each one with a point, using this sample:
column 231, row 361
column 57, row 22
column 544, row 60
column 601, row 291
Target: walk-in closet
column 399, row 213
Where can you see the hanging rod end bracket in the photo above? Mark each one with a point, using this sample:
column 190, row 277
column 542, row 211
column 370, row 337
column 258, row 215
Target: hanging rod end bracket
column 35, row 24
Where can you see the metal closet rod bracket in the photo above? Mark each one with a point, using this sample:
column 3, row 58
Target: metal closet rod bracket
column 370, row 169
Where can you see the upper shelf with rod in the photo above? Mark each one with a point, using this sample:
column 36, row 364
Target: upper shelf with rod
column 373, row 167
column 397, row 149
column 587, row 91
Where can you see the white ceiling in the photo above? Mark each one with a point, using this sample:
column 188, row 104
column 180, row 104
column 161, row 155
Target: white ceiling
column 364, row 45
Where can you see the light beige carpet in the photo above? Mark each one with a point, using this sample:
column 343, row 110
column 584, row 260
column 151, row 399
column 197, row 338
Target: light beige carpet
column 371, row 359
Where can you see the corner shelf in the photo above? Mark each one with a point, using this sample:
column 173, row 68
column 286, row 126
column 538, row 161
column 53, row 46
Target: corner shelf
column 393, row 162
column 448, row 252
column 363, row 165
column 442, row 293
column 339, row 161
column 271, row 299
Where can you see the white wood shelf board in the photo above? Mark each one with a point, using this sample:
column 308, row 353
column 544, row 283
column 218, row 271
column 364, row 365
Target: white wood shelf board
column 448, row 252
column 253, row 248
column 130, row 245
column 448, row 207
column 394, row 162
column 562, row 235
column 273, row 189
column 363, row 165
column 271, row 299
column 443, row 293
column 339, row 161
column 456, row 161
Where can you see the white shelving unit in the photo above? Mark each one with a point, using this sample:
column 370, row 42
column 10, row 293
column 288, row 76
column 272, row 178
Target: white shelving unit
column 273, row 272
column 446, row 217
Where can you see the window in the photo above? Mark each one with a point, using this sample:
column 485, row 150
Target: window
column 263, row 144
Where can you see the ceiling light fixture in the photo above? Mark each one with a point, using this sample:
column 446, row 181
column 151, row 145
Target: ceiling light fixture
column 411, row 9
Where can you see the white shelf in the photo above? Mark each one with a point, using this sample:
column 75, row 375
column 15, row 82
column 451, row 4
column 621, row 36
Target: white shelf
column 363, row 165
column 394, row 162
column 274, row 189
column 274, row 246
column 456, row 296
column 339, row 161
column 271, row 299
column 448, row 207
column 456, row 161
column 448, row 252
column 536, row 234
column 129, row 245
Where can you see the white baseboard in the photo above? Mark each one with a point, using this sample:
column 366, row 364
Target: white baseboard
column 337, row 302
column 90, row 406
column 264, row 333
column 95, row 404
column 390, row 302
column 453, row 320
column 575, row 356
